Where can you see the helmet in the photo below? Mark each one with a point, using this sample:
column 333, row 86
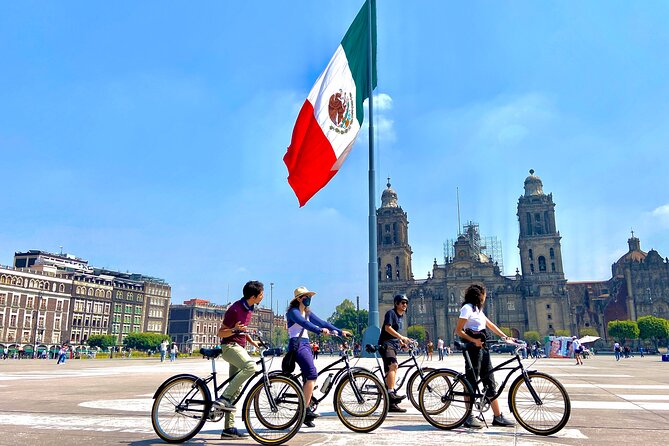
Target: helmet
column 400, row 297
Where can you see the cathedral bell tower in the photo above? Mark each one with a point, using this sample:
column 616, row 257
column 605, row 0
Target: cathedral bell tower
column 539, row 240
column 541, row 260
column 392, row 240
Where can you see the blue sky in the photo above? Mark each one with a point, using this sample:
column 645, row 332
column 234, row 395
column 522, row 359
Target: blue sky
column 149, row 137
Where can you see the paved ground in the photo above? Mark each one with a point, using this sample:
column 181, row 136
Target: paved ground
column 107, row 402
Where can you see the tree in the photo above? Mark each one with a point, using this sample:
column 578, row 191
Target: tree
column 144, row 341
column 507, row 331
column 562, row 333
column 347, row 317
column 655, row 328
column 101, row 341
column 417, row 332
column 531, row 336
column 622, row 330
column 280, row 337
column 588, row 331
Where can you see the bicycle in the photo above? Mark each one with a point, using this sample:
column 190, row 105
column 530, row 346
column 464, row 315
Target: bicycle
column 273, row 410
column 414, row 381
column 360, row 398
column 538, row 401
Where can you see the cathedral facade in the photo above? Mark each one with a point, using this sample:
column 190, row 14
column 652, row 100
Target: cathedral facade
column 537, row 298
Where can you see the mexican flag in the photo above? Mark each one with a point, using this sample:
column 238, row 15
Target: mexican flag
column 332, row 115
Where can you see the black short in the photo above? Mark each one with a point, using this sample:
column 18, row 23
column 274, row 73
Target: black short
column 389, row 355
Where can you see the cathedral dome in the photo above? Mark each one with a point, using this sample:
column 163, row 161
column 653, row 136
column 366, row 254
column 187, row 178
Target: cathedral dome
column 533, row 185
column 635, row 254
column 389, row 197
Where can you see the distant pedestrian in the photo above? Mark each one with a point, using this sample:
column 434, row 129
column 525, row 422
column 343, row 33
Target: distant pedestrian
column 578, row 349
column 641, row 351
column 616, row 350
column 62, row 353
column 628, row 351
column 163, row 350
column 5, row 353
column 173, row 352
column 430, row 350
column 440, row 348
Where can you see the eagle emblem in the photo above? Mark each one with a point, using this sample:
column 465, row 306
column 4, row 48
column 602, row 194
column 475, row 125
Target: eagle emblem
column 341, row 109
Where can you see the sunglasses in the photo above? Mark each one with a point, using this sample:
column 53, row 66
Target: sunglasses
column 404, row 303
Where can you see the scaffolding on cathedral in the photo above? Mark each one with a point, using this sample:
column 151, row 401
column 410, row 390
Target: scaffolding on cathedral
column 489, row 246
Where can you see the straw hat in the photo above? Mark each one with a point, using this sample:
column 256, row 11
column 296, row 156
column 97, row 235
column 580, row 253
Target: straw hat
column 302, row 291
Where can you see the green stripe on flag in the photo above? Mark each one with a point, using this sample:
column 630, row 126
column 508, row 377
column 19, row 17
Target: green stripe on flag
column 356, row 47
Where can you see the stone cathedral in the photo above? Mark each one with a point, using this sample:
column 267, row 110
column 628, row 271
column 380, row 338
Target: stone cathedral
column 536, row 298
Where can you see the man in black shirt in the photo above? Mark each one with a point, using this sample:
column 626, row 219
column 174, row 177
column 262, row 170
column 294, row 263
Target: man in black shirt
column 391, row 341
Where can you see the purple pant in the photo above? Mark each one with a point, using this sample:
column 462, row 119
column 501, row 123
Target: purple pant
column 305, row 358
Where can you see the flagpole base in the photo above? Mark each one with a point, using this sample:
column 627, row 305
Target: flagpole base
column 370, row 336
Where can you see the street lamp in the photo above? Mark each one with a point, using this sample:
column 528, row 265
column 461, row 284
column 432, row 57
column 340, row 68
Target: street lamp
column 271, row 307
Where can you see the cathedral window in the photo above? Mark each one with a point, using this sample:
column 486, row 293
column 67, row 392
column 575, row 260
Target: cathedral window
column 532, row 268
column 542, row 264
column 553, row 266
column 397, row 274
column 395, row 232
column 531, row 255
column 389, row 272
column 552, row 252
column 529, row 223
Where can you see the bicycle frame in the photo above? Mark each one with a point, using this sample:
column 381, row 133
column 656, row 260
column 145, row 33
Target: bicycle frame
column 218, row 387
column 343, row 370
column 402, row 365
column 512, row 370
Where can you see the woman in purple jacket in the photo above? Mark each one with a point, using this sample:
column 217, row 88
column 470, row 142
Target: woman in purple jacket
column 300, row 320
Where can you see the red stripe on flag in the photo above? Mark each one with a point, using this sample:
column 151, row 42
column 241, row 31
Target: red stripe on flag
column 310, row 157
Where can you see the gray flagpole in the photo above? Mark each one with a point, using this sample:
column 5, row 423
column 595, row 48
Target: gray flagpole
column 372, row 332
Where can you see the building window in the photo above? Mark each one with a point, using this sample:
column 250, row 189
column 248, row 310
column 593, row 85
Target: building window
column 532, row 268
column 542, row 263
column 531, row 254
column 549, row 317
column 548, row 306
column 389, row 272
column 552, row 253
column 553, row 266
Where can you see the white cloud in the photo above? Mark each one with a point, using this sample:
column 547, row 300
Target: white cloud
column 383, row 102
column 661, row 212
column 384, row 125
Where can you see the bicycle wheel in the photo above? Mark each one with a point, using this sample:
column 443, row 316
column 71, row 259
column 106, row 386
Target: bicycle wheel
column 413, row 386
column 445, row 399
column 361, row 402
column 273, row 414
column 553, row 411
column 180, row 409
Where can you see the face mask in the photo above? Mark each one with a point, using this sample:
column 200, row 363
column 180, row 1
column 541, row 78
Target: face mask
column 306, row 301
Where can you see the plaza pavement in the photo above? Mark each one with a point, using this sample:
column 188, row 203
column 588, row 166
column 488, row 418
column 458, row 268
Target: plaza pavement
column 108, row 402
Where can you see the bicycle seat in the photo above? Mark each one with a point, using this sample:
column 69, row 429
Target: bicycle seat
column 211, row 353
column 371, row 348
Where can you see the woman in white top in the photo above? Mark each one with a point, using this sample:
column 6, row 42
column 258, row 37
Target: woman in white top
column 472, row 328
